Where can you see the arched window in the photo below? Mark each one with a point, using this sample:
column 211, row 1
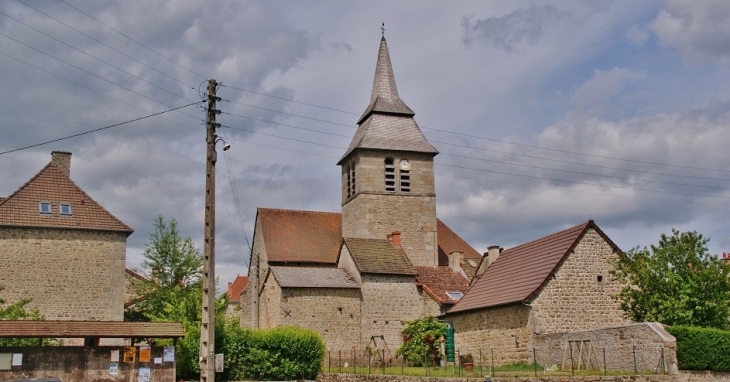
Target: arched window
column 389, row 174
column 352, row 176
column 349, row 181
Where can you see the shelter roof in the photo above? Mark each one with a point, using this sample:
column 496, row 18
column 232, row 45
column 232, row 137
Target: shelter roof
column 313, row 277
column 379, row 256
column 436, row 281
column 51, row 185
column 90, row 329
column 519, row 273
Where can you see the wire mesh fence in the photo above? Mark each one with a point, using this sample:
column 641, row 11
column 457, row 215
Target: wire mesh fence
column 573, row 358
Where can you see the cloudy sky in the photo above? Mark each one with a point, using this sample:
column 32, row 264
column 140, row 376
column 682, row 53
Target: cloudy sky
column 546, row 114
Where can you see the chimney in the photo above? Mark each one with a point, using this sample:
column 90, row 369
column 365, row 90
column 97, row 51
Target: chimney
column 455, row 261
column 394, row 238
column 230, row 289
column 493, row 253
column 62, row 161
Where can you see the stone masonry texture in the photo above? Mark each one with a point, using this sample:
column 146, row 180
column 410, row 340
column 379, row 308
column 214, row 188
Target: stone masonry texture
column 682, row 376
column 373, row 213
column 69, row 274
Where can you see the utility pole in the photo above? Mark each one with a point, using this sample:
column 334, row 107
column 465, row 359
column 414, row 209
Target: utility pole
column 207, row 329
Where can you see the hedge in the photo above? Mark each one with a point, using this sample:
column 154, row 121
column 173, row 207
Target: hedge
column 702, row 348
column 284, row 353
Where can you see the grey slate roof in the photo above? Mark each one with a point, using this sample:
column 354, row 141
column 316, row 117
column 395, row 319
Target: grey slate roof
column 379, row 256
column 311, row 277
column 388, row 123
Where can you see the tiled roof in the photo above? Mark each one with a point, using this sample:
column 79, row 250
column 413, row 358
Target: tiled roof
column 436, row 281
column 379, row 256
column 519, row 273
column 301, row 236
column 315, row 237
column 53, row 186
column 449, row 241
column 387, row 123
column 313, row 277
column 90, row 329
column 236, row 287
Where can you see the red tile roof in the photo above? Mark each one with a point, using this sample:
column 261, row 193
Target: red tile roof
column 236, row 287
column 300, row 236
column 90, row 329
column 53, row 186
column 315, row 237
column 436, row 281
column 519, row 273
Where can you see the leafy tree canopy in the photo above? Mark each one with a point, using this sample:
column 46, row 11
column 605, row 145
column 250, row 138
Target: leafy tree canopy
column 676, row 282
column 17, row 311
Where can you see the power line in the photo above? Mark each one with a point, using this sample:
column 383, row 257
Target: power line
column 102, row 43
column 135, row 41
column 95, row 91
column 496, row 140
column 89, row 55
column 99, row 129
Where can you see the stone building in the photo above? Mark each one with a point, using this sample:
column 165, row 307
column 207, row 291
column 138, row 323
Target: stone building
column 556, row 284
column 62, row 249
column 385, row 259
column 234, row 295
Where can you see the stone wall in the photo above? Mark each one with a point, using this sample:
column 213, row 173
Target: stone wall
column 270, row 303
column 83, row 364
column 501, row 330
column 575, row 299
column 372, row 213
column 333, row 313
column 430, row 306
column 245, row 312
column 655, row 350
column 69, row 274
column 388, row 300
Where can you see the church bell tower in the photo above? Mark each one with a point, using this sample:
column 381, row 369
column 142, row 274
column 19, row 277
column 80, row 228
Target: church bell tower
column 387, row 173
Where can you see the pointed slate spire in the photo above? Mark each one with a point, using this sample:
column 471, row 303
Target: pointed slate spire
column 384, row 97
column 387, row 123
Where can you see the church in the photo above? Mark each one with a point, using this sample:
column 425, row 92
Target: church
column 385, row 259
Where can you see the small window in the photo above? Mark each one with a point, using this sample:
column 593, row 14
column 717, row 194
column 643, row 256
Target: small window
column 389, row 175
column 599, row 278
column 64, row 209
column 44, row 208
column 455, row 295
column 405, row 181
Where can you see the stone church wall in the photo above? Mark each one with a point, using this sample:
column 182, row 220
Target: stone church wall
column 388, row 300
column 574, row 299
column 69, row 274
column 503, row 330
column 374, row 214
column 333, row 313
column 269, row 304
column 245, row 312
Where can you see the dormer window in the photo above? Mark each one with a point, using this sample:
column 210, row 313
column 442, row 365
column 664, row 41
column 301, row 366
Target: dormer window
column 64, row 209
column 455, row 295
column 389, row 174
column 44, row 208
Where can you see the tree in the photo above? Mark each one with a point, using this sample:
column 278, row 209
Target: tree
column 174, row 267
column 423, row 338
column 17, row 311
column 676, row 282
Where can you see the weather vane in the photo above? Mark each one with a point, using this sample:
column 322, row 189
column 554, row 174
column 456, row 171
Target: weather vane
column 382, row 29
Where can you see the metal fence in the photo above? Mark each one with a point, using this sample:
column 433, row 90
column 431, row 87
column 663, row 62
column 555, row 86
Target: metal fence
column 571, row 359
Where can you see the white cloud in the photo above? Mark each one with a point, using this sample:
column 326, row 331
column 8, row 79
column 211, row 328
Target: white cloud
column 638, row 35
column 698, row 30
column 597, row 90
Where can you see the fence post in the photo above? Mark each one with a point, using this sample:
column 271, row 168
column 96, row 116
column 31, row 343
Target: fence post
column 664, row 363
column 382, row 361
column 369, row 361
column 329, row 361
column 458, row 356
column 402, row 364
column 354, row 365
column 339, row 363
column 534, row 359
column 572, row 372
column 605, row 370
column 636, row 371
column 425, row 363
column 494, row 371
column 481, row 362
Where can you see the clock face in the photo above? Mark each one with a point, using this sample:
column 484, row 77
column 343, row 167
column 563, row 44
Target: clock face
column 405, row 164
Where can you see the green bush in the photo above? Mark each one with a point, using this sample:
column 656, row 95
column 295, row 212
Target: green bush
column 284, row 353
column 702, row 348
column 424, row 337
